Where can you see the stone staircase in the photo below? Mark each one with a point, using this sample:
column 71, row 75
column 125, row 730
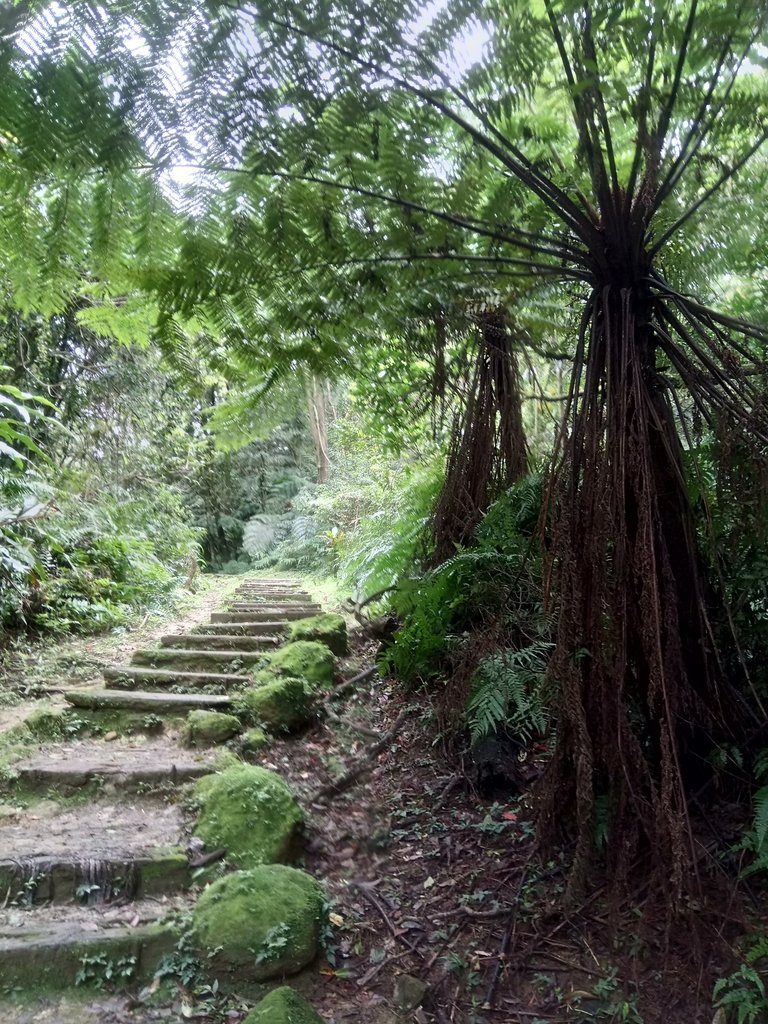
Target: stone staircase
column 91, row 869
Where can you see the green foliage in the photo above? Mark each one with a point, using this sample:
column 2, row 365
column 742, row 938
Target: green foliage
column 493, row 585
column 508, row 690
column 743, row 992
column 366, row 525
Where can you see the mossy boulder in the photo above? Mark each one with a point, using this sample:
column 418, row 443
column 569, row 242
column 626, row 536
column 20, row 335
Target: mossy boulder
column 329, row 629
column 302, row 659
column 260, row 924
column 206, row 728
column 251, row 813
column 279, row 704
column 253, row 741
column 46, row 723
column 284, row 1006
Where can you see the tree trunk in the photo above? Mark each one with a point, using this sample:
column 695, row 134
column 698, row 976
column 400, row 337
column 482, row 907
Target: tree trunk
column 633, row 660
column 489, row 451
column 318, row 425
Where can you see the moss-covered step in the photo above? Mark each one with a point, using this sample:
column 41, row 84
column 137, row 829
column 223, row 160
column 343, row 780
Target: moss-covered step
column 70, row 767
column 269, row 629
column 219, row 641
column 196, row 660
column 95, row 851
column 254, row 598
column 126, row 677
column 48, row 954
column 158, row 703
column 258, row 615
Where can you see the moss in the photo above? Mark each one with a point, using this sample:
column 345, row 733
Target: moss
column 303, row 659
column 328, row 629
column 283, row 1006
column 250, row 812
column 282, row 705
column 253, row 741
column 205, row 728
column 260, row 924
column 46, row 723
column 167, row 871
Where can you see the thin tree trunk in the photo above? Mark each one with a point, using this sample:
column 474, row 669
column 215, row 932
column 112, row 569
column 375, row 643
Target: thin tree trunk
column 318, row 425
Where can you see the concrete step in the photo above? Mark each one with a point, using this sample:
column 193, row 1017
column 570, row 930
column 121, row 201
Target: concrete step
column 193, row 659
column 158, row 703
column 92, row 852
column 48, row 952
column 124, row 677
column 258, row 615
column 66, row 768
column 219, row 642
column 273, row 630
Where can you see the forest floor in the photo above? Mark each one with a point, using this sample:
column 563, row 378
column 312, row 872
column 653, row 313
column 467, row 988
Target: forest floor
column 438, row 896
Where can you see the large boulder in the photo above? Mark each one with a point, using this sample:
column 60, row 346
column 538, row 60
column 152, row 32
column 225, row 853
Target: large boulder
column 279, row 704
column 251, row 813
column 283, row 1006
column 260, row 924
column 205, row 728
column 302, row 659
column 329, row 629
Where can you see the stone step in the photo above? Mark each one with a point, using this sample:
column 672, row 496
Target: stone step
column 276, row 612
column 48, row 952
column 219, row 642
column 275, row 595
column 158, row 703
column 124, row 677
column 273, row 630
column 260, row 616
column 193, row 659
column 92, row 852
column 68, row 767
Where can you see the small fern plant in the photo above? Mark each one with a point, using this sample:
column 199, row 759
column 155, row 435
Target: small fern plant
column 743, row 993
column 754, row 840
column 508, row 692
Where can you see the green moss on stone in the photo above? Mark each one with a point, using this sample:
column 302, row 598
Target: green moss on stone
column 328, row 629
column 253, row 741
column 204, row 728
column 284, row 1006
column 46, row 723
column 282, row 705
column 260, row 924
column 303, row 659
column 251, row 813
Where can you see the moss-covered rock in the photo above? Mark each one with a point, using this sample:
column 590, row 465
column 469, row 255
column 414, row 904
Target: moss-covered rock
column 329, row 629
column 303, row 659
column 284, row 1006
column 254, row 740
column 260, row 924
column 251, row 813
column 205, row 728
column 46, row 723
column 281, row 705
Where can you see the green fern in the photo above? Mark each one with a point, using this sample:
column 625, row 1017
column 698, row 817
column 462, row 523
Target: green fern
column 508, row 692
